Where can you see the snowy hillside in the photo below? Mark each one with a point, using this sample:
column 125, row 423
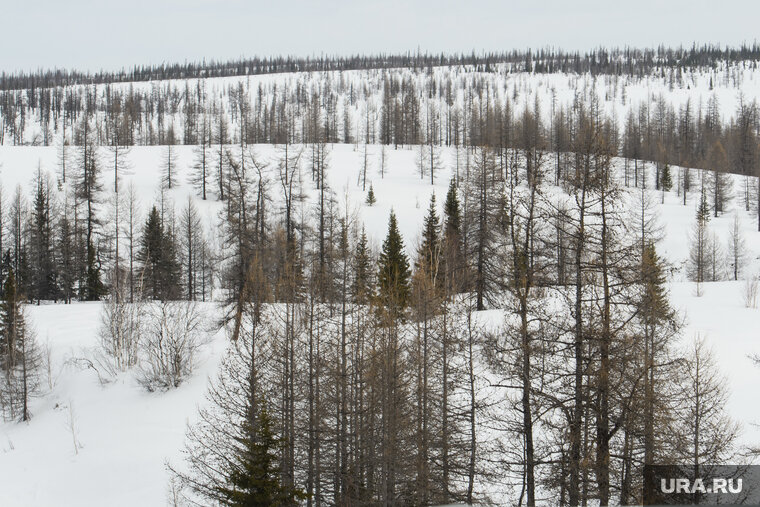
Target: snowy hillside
column 351, row 102
column 91, row 444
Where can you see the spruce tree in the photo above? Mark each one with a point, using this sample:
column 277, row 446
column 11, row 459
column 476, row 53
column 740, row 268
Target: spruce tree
column 10, row 324
column 451, row 210
column 658, row 324
column 667, row 181
column 393, row 275
column 703, row 210
column 429, row 250
column 654, row 301
column 161, row 271
column 453, row 259
column 255, row 475
column 66, row 250
column 20, row 358
column 362, row 271
column 43, row 275
column 5, row 267
column 94, row 285
column 371, row 196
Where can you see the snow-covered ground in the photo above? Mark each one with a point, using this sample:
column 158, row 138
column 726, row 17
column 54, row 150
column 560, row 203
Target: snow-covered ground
column 359, row 93
column 98, row 444
column 88, row 443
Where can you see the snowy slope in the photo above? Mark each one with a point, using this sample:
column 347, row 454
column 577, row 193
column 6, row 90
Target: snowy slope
column 125, row 435
column 401, row 189
column 359, row 93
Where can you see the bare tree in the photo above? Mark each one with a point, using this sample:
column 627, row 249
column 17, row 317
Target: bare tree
column 202, row 164
column 169, row 178
column 122, row 326
column 699, row 250
column 704, row 433
column 737, row 249
column 174, row 334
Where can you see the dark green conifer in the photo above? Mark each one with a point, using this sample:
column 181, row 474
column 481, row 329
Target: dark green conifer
column 703, row 210
column 43, row 273
column 11, row 324
column 393, row 275
column 654, row 300
column 451, row 210
column 161, row 271
column 666, row 179
column 255, row 475
column 453, row 276
column 429, row 251
column 93, row 285
column 371, row 196
column 362, row 271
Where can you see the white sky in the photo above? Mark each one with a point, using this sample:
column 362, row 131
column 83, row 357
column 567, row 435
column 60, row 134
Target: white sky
column 108, row 34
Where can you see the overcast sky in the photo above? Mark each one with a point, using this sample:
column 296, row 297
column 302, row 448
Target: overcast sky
column 107, row 34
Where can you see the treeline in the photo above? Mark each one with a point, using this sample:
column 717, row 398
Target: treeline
column 363, row 377
column 80, row 237
column 632, row 61
column 399, row 108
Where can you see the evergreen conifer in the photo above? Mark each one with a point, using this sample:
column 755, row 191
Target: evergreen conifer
column 393, row 275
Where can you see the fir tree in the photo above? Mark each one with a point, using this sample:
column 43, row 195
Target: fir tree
column 20, row 358
column 158, row 255
column 371, row 196
column 66, row 249
column 255, row 475
column 667, row 180
column 658, row 324
column 362, row 271
column 703, row 210
column 94, row 285
column 393, row 275
column 10, row 325
column 43, row 274
column 451, row 210
column 5, row 267
column 428, row 253
column 453, row 260
column 654, row 301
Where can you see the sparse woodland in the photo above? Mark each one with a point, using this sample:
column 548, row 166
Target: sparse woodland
column 362, row 377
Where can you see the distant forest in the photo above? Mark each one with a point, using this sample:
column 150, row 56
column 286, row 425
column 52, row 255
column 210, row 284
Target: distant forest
column 631, row 61
column 467, row 104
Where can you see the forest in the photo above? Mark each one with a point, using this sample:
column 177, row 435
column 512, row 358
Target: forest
column 362, row 376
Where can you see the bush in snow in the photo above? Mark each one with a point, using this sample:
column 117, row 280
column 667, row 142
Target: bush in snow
column 173, row 334
column 120, row 330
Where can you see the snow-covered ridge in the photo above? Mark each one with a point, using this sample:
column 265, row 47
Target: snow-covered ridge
column 354, row 98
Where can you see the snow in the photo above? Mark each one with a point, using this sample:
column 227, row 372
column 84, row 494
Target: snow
column 401, row 189
column 125, row 435
column 731, row 330
column 123, row 432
